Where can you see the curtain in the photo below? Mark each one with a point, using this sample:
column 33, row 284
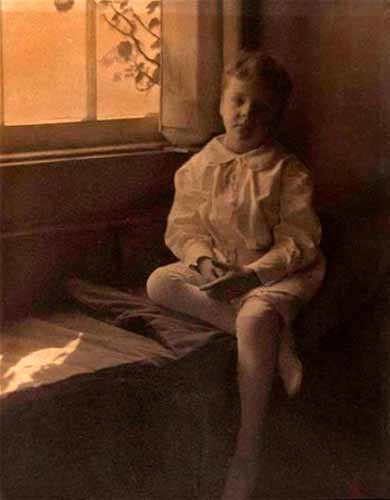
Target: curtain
column 198, row 36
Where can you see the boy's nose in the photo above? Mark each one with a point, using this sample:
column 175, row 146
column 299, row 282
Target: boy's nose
column 246, row 109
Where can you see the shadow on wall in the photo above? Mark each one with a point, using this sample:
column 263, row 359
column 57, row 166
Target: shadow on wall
column 339, row 118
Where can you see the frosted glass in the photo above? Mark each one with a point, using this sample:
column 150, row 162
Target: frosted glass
column 117, row 95
column 44, row 60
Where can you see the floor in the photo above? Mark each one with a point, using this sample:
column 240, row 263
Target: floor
column 326, row 443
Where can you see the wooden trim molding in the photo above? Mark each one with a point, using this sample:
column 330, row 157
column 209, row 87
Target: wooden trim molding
column 57, row 229
column 63, row 155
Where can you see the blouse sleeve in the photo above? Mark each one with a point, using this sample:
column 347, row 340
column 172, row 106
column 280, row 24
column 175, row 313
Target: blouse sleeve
column 297, row 236
column 185, row 235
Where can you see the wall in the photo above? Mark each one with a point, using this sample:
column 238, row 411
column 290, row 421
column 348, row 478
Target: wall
column 339, row 120
column 338, row 53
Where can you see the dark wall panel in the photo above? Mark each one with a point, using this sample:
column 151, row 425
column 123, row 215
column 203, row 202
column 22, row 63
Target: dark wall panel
column 339, row 119
column 80, row 217
column 85, row 190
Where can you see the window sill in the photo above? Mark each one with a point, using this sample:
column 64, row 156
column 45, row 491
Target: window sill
column 59, row 155
column 64, row 155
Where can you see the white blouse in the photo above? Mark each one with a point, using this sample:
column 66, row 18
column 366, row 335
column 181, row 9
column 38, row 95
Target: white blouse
column 253, row 209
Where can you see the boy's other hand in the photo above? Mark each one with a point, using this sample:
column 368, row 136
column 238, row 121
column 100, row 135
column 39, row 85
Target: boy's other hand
column 211, row 270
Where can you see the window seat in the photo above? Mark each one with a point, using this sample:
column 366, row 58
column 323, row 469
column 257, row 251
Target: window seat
column 110, row 397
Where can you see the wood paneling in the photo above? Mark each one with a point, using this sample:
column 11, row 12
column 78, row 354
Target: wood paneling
column 72, row 217
column 82, row 190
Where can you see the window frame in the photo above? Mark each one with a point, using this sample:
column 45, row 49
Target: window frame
column 87, row 134
column 172, row 126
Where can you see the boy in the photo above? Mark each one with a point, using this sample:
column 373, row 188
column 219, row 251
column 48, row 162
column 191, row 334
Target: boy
column 244, row 229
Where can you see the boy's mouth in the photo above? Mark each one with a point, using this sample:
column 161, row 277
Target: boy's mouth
column 243, row 127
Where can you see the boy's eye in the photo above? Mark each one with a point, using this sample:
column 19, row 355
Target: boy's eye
column 238, row 101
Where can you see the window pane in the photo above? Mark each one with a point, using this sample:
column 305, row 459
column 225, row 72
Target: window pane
column 127, row 81
column 44, row 62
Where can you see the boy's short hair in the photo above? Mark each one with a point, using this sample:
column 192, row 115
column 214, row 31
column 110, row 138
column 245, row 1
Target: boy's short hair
column 256, row 65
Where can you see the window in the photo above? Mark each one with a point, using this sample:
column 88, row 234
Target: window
column 69, row 79
column 79, row 73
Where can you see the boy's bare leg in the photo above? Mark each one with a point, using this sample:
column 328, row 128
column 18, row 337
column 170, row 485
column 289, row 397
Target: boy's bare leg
column 258, row 338
column 289, row 365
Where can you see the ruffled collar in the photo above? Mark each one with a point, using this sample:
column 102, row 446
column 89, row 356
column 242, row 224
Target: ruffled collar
column 217, row 152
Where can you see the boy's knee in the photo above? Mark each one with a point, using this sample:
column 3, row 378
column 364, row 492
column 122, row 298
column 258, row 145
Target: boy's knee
column 163, row 285
column 157, row 285
column 257, row 317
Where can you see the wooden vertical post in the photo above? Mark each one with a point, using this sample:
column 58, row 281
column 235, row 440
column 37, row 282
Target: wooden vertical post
column 91, row 61
column 1, row 70
column 232, row 29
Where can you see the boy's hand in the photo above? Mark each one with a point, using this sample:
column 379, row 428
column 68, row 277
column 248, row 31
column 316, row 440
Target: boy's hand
column 210, row 270
column 234, row 282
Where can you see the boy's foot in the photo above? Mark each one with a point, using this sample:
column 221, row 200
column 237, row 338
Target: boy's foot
column 290, row 366
column 242, row 478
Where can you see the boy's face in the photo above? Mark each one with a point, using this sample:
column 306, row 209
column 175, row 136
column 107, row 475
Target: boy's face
column 248, row 111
